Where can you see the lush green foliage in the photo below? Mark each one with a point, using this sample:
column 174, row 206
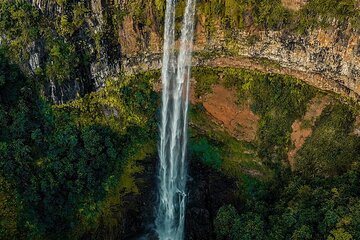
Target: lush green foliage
column 331, row 149
column 205, row 78
column 321, row 12
column 264, row 14
column 23, row 27
column 8, row 211
column 236, row 157
column 62, row 61
column 319, row 199
column 230, row 225
column 63, row 168
column 273, row 15
column 61, row 162
column 19, row 22
column 206, row 152
column 278, row 100
column 294, row 207
column 270, row 14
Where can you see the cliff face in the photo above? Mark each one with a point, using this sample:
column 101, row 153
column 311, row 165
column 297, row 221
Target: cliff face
column 103, row 51
column 328, row 59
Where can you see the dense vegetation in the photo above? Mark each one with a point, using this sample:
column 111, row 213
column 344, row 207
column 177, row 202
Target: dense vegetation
column 319, row 198
column 22, row 24
column 64, row 167
column 59, row 163
column 270, row 14
column 273, row 15
column 65, row 44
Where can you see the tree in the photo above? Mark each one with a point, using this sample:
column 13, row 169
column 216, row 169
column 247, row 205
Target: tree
column 224, row 222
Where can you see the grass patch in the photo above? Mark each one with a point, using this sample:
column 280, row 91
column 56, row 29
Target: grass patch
column 205, row 77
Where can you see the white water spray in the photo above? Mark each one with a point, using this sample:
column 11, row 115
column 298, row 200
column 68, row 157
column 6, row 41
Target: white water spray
column 175, row 76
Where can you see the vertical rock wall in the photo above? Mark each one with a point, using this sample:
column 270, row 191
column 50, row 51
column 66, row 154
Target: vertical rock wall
column 135, row 45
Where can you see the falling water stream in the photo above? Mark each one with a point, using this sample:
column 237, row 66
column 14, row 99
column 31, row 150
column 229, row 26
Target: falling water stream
column 170, row 216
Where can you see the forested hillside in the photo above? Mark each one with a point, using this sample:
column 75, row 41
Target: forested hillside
column 59, row 164
column 274, row 136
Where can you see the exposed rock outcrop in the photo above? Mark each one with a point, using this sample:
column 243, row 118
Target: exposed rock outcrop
column 104, row 56
column 326, row 59
column 294, row 4
column 331, row 57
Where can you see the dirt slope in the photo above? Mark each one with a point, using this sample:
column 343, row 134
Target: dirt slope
column 302, row 128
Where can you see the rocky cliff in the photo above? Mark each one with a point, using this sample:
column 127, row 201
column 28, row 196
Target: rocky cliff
column 328, row 59
column 126, row 38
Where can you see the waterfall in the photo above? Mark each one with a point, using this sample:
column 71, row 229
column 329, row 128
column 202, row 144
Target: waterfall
column 170, row 217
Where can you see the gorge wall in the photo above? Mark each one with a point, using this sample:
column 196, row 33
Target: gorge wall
column 72, row 48
column 327, row 58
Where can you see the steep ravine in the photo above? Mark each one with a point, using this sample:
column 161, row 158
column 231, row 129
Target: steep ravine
column 208, row 191
column 327, row 59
